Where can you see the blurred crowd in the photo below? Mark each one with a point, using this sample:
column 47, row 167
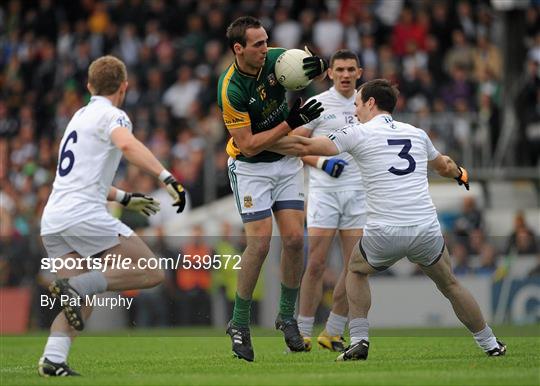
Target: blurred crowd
column 443, row 56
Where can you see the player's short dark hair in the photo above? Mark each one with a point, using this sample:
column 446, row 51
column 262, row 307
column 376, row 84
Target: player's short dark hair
column 384, row 93
column 236, row 31
column 344, row 54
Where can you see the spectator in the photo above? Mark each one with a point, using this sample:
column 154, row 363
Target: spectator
column 460, row 55
column 287, row 31
column 469, row 219
column 488, row 261
column 522, row 240
column 486, row 57
column 180, row 96
column 192, row 302
column 407, row 31
column 460, row 258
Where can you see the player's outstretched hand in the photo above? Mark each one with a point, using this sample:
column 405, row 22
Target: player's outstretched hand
column 313, row 65
column 334, row 166
column 141, row 203
column 300, row 115
column 463, row 178
column 177, row 193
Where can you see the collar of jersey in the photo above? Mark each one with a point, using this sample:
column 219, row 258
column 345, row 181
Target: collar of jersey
column 245, row 73
column 379, row 117
column 338, row 94
column 96, row 98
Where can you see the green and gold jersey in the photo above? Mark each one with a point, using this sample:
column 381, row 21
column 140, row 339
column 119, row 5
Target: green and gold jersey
column 257, row 101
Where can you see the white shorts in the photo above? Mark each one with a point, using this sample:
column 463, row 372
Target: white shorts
column 383, row 245
column 262, row 187
column 336, row 210
column 86, row 238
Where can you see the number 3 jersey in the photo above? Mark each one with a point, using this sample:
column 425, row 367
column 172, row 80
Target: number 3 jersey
column 87, row 163
column 393, row 158
column 338, row 112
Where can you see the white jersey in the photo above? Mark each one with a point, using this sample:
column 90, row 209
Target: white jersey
column 393, row 159
column 338, row 112
column 87, row 163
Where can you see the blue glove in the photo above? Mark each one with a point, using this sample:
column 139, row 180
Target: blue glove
column 334, row 166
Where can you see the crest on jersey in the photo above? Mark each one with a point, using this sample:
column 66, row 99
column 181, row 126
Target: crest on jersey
column 124, row 122
column 248, row 202
column 272, row 79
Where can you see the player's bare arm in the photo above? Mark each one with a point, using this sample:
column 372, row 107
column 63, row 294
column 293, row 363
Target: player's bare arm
column 447, row 167
column 301, row 146
column 333, row 166
column 140, row 156
column 251, row 144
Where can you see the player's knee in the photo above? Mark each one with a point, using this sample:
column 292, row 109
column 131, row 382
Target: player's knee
column 315, row 268
column 293, row 244
column 258, row 248
column 449, row 286
column 339, row 297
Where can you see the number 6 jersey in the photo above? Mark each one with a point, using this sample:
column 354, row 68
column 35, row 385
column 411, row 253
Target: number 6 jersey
column 87, row 163
column 393, row 158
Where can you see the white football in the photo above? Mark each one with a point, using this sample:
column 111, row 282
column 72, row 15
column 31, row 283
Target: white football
column 289, row 70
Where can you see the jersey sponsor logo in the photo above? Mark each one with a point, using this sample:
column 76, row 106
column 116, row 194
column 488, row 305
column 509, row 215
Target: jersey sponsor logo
column 329, row 116
column 248, row 202
column 252, row 100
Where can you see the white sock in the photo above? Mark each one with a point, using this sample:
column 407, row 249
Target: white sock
column 335, row 325
column 305, row 325
column 57, row 347
column 359, row 328
column 89, row 283
column 485, row 339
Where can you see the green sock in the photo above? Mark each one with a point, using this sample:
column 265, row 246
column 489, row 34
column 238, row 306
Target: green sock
column 241, row 311
column 287, row 302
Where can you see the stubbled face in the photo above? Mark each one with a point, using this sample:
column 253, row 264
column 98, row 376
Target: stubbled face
column 363, row 110
column 344, row 73
column 253, row 55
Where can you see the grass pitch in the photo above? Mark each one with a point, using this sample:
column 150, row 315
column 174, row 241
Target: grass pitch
column 203, row 357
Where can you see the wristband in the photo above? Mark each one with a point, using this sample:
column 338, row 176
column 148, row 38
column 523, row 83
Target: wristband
column 164, row 175
column 320, row 162
column 120, row 195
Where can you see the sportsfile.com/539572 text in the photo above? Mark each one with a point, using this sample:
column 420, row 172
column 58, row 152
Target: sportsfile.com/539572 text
column 113, row 261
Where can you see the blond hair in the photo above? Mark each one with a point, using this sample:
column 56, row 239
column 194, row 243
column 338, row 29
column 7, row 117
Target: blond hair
column 106, row 74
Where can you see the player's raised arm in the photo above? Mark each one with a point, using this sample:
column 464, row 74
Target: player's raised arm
column 140, row 156
column 446, row 167
column 251, row 144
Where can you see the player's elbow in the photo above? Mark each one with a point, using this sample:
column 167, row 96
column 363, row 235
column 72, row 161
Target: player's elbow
column 249, row 151
column 125, row 146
